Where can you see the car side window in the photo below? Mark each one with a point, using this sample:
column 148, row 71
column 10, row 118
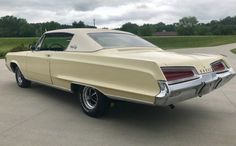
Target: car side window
column 55, row 42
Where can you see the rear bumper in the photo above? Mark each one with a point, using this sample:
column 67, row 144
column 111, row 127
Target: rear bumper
column 198, row 87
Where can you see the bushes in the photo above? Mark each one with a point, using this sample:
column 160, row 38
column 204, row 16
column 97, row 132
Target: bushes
column 2, row 54
column 19, row 48
column 14, row 44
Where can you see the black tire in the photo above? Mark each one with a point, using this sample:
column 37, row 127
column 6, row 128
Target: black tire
column 93, row 102
column 20, row 79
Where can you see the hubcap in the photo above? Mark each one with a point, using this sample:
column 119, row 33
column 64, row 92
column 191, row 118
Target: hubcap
column 19, row 77
column 90, row 97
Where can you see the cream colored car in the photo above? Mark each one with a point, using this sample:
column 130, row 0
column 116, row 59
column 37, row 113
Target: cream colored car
column 106, row 65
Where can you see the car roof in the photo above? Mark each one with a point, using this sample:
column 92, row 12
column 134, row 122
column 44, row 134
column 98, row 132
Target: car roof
column 84, row 30
column 81, row 39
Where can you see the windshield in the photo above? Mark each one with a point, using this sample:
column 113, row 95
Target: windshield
column 119, row 40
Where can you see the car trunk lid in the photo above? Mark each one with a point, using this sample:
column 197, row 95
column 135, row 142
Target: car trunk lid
column 164, row 58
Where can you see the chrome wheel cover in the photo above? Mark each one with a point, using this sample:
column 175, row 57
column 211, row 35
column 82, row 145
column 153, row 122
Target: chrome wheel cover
column 19, row 77
column 90, row 97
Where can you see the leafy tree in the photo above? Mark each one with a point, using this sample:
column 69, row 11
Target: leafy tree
column 79, row 24
column 26, row 30
column 187, row 26
column 10, row 26
column 159, row 27
column 146, row 30
column 130, row 27
column 50, row 26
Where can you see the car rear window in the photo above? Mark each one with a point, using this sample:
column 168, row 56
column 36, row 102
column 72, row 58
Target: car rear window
column 119, row 40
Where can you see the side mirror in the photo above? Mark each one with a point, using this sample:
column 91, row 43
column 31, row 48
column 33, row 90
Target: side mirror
column 32, row 46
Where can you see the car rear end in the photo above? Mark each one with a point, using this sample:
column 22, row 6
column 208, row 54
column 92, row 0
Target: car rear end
column 185, row 82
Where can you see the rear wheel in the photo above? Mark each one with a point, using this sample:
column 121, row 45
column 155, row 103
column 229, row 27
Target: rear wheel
column 20, row 79
column 93, row 102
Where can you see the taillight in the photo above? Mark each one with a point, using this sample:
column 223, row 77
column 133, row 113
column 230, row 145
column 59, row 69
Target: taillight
column 175, row 74
column 218, row 66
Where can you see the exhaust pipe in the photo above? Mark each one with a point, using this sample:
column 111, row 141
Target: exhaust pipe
column 172, row 106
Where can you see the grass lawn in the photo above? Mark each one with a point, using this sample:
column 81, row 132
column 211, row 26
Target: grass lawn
column 190, row 41
column 233, row 51
column 6, row 44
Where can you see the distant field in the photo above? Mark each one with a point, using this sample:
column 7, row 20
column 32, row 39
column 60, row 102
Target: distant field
column 190, row 41
column 6, row 44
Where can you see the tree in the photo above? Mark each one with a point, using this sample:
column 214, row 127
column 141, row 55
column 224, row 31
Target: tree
column 26, row 30
column 202, row 29
column 130, row 27
column 159, row 27
column 146, row 30
column 187, row 26
column 79, row 24
column 9, row 26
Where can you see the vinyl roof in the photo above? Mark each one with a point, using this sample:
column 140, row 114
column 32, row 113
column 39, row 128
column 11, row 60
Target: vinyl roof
column 85, row 30
column 81, row 40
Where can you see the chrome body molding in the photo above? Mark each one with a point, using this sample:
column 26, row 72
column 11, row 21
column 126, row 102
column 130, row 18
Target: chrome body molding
column 174, row 93
column 51, row 85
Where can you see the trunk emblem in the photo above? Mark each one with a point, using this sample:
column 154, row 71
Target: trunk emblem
column 205, row 70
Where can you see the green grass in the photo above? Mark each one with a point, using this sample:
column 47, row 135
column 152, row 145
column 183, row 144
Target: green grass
column 233, row 51
column 7, row 44
column 190, row 41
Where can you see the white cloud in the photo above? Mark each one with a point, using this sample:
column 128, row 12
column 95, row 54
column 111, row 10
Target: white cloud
column 113, row 13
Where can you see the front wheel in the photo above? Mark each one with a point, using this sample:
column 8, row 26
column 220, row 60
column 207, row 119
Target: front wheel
column 20, row 79
column 93, row 102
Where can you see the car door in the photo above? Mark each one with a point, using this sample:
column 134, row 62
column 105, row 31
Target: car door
column 38, row 62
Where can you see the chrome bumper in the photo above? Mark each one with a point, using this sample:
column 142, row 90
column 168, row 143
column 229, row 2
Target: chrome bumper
column 206, row 83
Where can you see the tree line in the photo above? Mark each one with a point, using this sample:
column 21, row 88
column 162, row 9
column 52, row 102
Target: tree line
column 186, row 26
column 11, row 26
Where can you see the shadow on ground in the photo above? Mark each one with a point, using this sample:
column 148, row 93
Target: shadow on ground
column 147, row 118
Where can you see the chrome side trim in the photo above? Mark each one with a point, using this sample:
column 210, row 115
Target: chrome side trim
column 190, row 89
column 51, row 85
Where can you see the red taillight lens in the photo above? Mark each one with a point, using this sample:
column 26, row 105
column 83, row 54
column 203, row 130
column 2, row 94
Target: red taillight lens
column 175, row 74
column 218, row 66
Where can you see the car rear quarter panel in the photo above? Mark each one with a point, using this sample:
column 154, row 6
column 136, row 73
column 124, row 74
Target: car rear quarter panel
column 118, row 78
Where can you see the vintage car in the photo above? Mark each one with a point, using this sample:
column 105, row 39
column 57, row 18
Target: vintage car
column 109, row 65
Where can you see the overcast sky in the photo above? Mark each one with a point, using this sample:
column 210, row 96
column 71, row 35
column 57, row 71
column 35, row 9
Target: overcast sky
column 114, row 13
